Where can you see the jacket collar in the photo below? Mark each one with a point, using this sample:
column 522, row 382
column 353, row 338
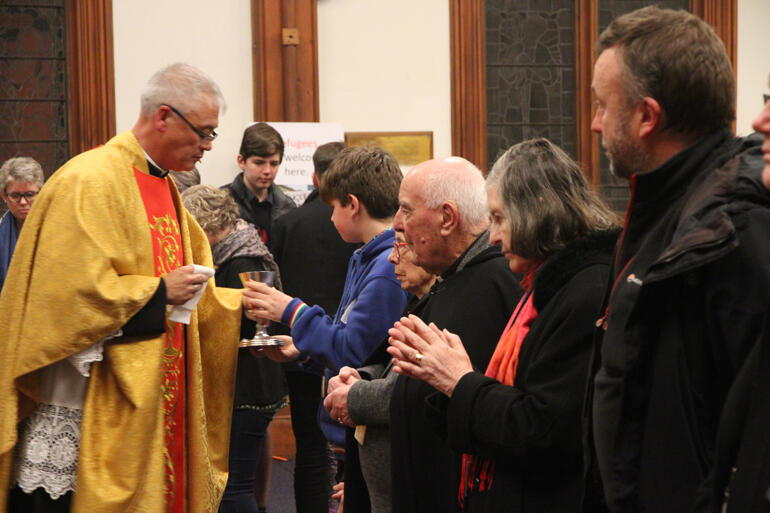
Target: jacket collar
column 705, row 231
column 679, row 173
column 245, row 195
column 377, row 245
column 312, row 196
column 591, row 249
column 477, row 247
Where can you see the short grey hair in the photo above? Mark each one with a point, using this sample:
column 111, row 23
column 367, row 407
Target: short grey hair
column 213, row 208
column 461, row 183
column 21, row 169
column 182, row 86
column 546, row 199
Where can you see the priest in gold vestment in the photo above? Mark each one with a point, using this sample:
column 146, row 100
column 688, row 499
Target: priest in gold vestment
column 106, row 404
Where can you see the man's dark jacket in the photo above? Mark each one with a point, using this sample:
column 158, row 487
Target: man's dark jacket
column 689, row 291
column 474, row 298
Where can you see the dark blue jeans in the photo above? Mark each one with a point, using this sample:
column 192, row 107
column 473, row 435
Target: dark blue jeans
column 247, row 436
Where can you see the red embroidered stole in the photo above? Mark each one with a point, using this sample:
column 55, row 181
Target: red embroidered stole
column 167, row 256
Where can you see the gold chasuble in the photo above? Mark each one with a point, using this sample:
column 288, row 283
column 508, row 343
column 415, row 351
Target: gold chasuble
column 156, row 419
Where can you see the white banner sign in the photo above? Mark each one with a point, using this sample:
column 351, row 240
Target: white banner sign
column 300, row 140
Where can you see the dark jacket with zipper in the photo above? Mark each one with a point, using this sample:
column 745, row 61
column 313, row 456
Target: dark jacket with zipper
column 532, row 430
column 688, row 294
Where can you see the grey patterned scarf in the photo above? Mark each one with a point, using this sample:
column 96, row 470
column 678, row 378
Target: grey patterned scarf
column 244, row 241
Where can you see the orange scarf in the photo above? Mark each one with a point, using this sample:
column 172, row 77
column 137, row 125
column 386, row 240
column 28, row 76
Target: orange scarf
column 502, row 367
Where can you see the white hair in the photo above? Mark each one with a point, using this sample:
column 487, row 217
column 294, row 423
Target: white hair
column 21, row 169
column 456, row 180
column 182, row 86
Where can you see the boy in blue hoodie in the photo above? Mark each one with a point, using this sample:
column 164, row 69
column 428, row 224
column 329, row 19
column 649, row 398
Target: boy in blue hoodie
column 362, row 187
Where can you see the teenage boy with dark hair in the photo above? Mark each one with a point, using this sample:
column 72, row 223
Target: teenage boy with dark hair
column 362, row 187
column 259, row 200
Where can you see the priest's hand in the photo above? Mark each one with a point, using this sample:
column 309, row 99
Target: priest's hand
column 264, row 301
column 288, row 352
column 182, row 283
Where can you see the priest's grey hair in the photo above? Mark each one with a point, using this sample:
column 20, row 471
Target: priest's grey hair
column 182, row 86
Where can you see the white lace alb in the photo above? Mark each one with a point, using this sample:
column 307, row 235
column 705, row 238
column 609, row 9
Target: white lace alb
column 47, row 453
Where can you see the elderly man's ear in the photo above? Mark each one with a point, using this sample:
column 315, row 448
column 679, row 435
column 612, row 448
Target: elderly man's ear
column 450, row 218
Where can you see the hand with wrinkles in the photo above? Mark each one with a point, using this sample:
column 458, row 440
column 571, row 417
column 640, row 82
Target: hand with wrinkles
column 444, row 359
column 336, row 401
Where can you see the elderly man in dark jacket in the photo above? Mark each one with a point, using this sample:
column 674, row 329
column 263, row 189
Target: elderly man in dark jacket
column 690, row 275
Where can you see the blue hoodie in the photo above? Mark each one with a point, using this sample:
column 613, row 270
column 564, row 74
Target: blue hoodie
column 371, row 302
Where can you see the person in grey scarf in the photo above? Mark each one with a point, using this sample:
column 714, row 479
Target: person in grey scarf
column 260, row 389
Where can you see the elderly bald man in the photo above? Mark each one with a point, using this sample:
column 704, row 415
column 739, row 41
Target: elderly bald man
column 443, row 216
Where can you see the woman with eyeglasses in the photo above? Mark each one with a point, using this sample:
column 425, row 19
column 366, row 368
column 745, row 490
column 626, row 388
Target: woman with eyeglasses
column 518, row 425
column 20, row 180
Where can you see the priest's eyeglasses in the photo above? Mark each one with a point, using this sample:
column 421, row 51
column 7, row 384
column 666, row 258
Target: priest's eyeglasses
column 17, row 196
column 397, row 251
column 207, row 136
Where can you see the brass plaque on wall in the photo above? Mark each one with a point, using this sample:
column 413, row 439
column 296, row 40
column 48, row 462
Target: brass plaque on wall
column 409, row 148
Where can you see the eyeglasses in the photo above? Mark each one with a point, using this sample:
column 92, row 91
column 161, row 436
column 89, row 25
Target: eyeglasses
column 210, row 136
column 17, row 196
column 397, row 251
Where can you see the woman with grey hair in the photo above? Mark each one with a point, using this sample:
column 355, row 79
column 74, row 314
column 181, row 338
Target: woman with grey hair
column 259, row 384
column 20, row 180
column 519, row 424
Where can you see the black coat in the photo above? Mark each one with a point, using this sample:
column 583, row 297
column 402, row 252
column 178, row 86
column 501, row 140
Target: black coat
column 532, row 430
column 741, row 473
column 740, row 477
column 690, row 282
column 474, row 302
